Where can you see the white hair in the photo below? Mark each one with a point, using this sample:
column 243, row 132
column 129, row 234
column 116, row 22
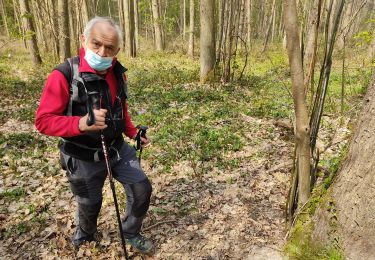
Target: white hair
column 96, row 19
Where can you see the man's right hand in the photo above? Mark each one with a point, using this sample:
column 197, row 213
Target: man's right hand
column 99, row 121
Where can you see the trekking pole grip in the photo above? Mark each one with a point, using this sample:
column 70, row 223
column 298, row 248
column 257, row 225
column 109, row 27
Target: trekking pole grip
column 141, row 133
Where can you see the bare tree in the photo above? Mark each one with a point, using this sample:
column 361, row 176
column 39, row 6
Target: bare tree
column 84, row 11
column 312, row 41
column 120, row 5
column 130, row 48
column 207, row 39
column 4, row 17
column 248, row 20
column 28, row 25
column 302, row 133
column 64, row 30
column 136, row 24
column 191, row 30
column 157, row 25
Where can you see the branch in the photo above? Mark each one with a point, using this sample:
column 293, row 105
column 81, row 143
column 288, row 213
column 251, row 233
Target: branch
column 158, row 223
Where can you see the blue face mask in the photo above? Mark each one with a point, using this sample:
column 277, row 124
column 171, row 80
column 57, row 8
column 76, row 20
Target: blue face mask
column 96, row 61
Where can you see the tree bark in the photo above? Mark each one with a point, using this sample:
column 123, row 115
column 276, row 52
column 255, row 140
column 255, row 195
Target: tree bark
column 84, row 13
column 184, row 20
column 130, row 50
column 4, row 18
column 157, row 25
column 121, row 20
column 207, row 40
column 17, row 16
column 311, row 41
column 38, row 22
column 302, row 134
column 191, row 30
column 248, row 21
column 29, row 31
column 136, row 24
column 64, row 30
column 347, row 215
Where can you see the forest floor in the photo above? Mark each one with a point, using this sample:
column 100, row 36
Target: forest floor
column 219, row 163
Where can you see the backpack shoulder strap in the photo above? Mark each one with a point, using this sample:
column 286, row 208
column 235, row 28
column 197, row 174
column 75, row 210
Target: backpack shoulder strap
column 70, row 70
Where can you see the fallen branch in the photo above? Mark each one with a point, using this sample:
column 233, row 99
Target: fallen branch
column 159, row 223
column 279, row 166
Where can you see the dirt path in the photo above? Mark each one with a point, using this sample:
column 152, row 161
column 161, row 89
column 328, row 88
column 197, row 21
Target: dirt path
column 221, row 215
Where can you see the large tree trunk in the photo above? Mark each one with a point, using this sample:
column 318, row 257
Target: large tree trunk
column 207, row 39
column 64, row 30
column 191, row 30
column 302, row 135
column 28, row 26
column 157, row 25
column 348, row 216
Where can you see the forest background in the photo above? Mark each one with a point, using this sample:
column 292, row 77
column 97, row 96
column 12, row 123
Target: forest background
column 211, row 79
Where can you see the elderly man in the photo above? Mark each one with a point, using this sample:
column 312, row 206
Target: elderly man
column 95, row 81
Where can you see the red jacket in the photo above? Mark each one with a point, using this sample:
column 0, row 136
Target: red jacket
column 50, row 118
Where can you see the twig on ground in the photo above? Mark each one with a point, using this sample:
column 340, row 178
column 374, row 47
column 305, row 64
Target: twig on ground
column 158, row 223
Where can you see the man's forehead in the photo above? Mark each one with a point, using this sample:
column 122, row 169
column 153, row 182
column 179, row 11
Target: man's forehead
column 104, row 29
column 103, row 25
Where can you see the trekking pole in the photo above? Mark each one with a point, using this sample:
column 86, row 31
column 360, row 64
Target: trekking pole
column 141, row 133
column 91, row 121
column 112, row 184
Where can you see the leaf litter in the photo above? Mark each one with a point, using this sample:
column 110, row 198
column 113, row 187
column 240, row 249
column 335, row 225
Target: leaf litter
column 236, row 214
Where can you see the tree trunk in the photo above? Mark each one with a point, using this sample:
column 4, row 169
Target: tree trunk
column 157, row 25
column 17, row 17
column 136, row 24
column 191, row 30
column 4, row 18
column 207, row 39
column 348, row 214
column 53, row 16
column 130, row 50
column 64, row 30
column 121, row 20
column 228, row 44
column 28, row 26
column 38, row 22
column 84, row 13
column 248, row 21
column 302, row 140
column 184, row 20
column 311, row 41
column 181, row 17
column 73, row 24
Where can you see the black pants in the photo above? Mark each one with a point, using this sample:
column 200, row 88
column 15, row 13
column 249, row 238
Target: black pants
column 86, row 182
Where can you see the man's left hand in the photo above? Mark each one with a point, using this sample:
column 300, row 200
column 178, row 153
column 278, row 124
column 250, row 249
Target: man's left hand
column 145, row 141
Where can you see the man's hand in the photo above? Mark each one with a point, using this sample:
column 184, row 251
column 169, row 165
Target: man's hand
column 145, row 141
column 99, row 121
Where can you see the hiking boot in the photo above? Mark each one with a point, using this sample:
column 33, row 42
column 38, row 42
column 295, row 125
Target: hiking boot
column 141, row 244
column 80, row 241
column 81, row 237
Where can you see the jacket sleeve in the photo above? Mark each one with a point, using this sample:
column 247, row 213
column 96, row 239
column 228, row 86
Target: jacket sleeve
column 50, row 117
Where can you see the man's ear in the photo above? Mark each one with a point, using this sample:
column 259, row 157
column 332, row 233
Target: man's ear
column 83, row 41
column 117, row 51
